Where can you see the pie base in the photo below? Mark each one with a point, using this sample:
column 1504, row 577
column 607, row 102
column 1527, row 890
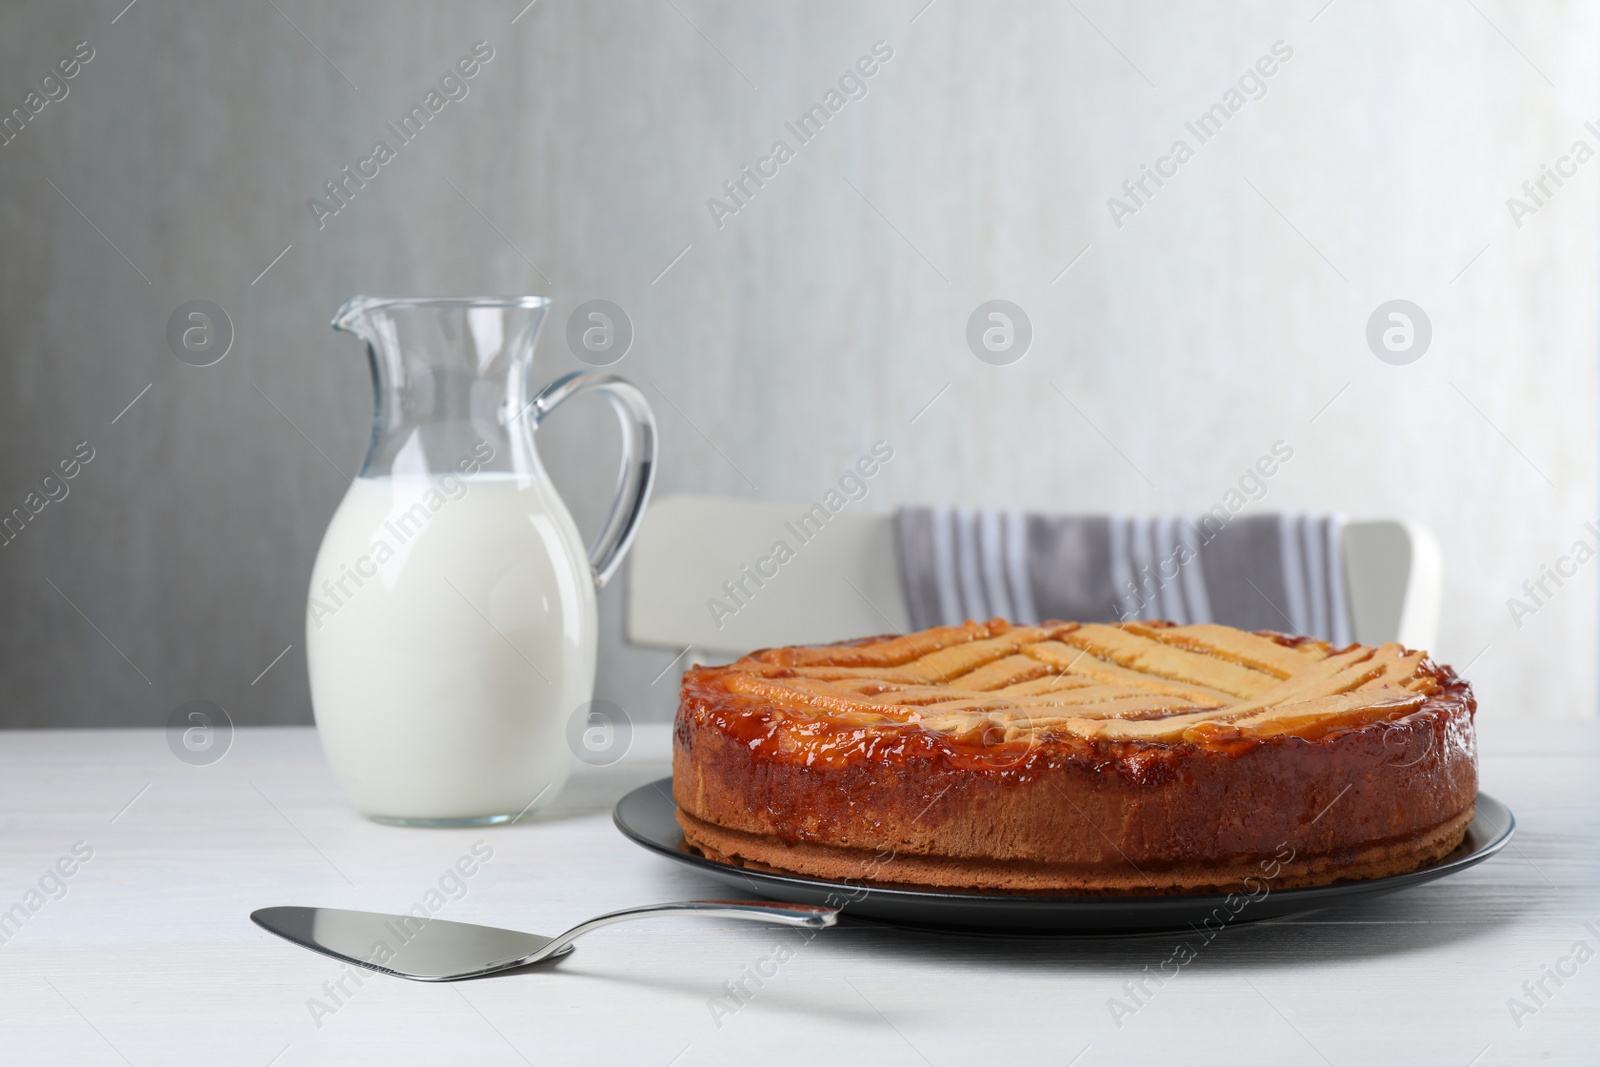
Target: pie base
column 767, row 852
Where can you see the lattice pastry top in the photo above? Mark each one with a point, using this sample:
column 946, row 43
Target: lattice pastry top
column 992, row 683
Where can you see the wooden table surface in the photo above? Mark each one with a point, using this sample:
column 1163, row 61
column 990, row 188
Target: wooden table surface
column 145, row 954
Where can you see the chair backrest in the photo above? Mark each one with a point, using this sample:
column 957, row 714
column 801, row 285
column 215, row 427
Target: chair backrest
column 707, row 574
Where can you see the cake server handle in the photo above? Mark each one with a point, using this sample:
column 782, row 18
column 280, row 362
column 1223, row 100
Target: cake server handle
column 805, row 916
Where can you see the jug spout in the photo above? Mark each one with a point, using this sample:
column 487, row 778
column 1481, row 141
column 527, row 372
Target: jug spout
column 450, row 377
column 364, row 315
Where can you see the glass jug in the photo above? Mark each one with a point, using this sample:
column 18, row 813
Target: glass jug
column 450, row 627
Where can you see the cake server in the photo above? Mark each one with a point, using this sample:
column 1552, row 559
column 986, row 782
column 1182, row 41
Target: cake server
column 437, row 950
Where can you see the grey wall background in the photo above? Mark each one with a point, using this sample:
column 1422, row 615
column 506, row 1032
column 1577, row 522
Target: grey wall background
column 1228, row 313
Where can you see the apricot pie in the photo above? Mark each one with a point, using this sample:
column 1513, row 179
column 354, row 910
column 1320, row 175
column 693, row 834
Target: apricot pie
column 1067, row 758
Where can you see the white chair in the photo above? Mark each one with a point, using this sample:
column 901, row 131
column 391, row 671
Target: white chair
column 845, row 581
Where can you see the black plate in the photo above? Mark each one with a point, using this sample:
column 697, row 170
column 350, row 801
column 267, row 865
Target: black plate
column 647, row 816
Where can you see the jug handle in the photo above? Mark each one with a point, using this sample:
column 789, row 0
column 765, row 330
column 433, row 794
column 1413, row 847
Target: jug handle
column 638, row 473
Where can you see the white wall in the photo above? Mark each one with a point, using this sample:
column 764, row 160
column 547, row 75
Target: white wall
column 1222, row 317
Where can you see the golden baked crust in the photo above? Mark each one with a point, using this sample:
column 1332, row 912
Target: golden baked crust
column 1140, row 758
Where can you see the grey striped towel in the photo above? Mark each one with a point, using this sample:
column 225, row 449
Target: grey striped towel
column 1281, row 572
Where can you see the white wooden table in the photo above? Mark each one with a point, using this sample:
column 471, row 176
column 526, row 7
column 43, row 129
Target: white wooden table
column 149, row 956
